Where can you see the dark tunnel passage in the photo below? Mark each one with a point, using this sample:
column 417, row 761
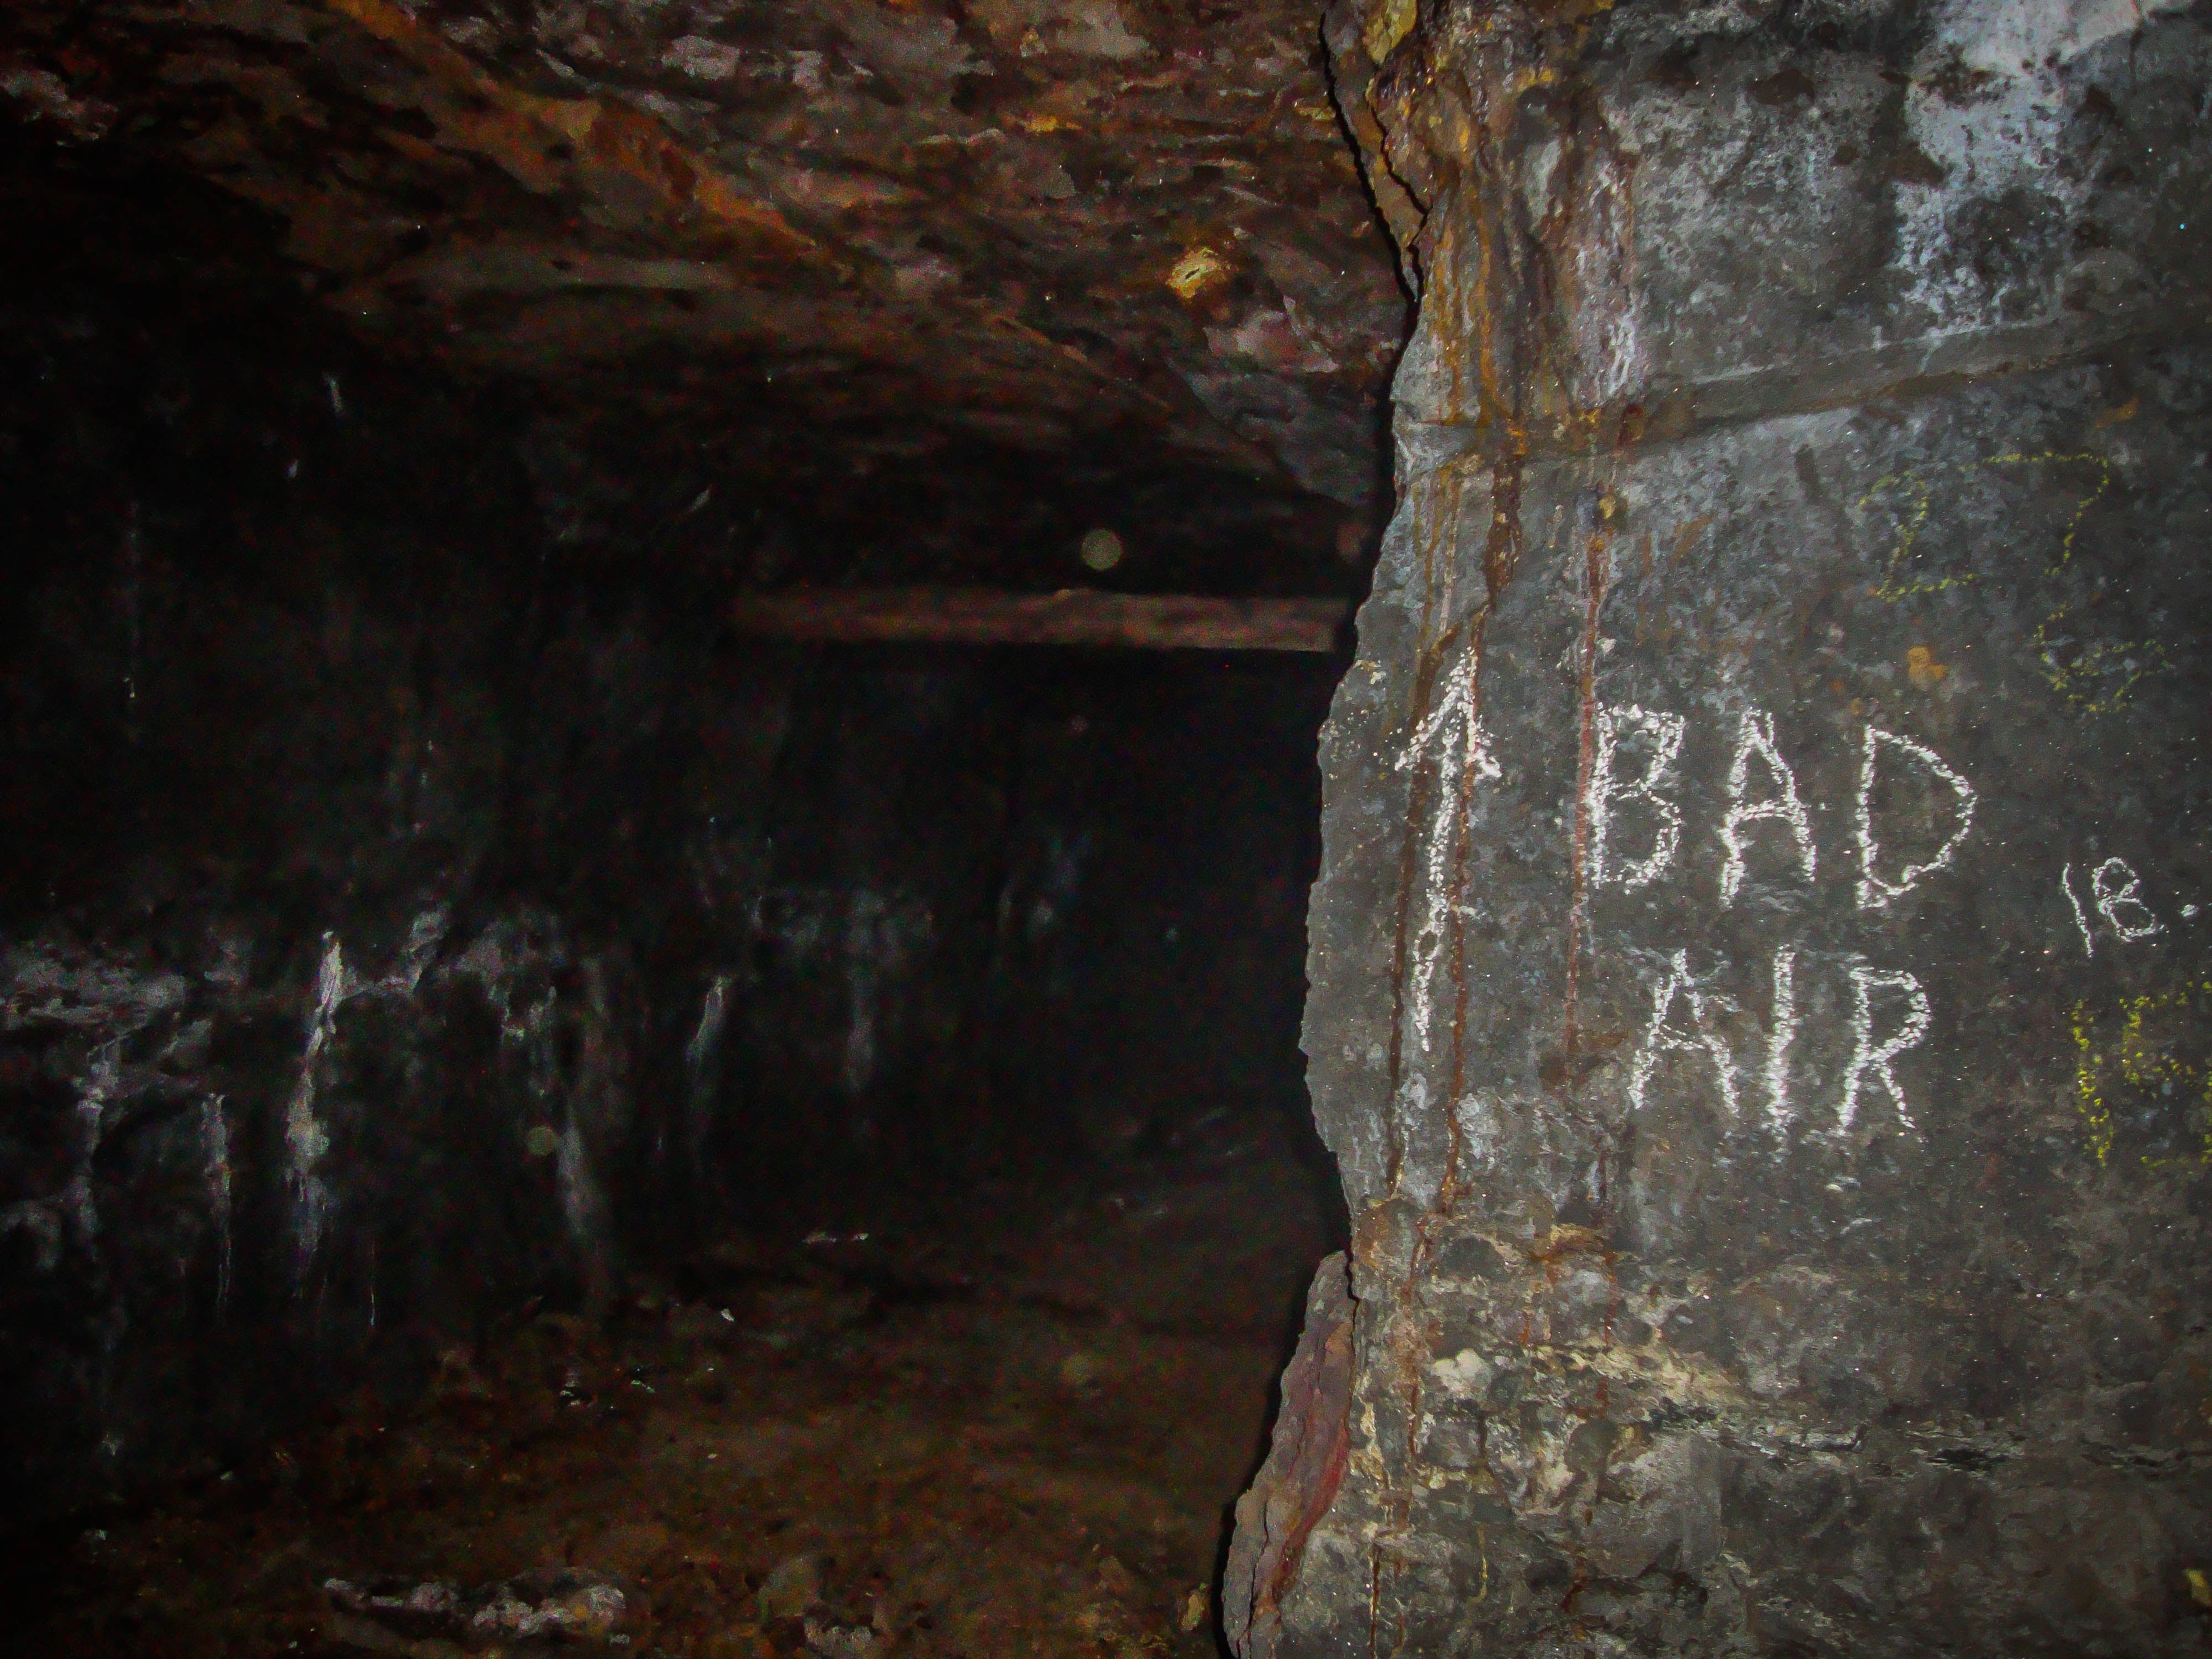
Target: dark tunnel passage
column 942, row 829
column 507, row 1076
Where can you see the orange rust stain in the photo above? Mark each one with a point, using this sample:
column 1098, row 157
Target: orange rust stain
column 1690, row 532
column 534, row 139
column 2126, row 411
column 1567, row 1239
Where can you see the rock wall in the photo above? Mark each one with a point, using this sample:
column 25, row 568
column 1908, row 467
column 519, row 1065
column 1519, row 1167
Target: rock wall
column 412, row 902
column 1764, row 947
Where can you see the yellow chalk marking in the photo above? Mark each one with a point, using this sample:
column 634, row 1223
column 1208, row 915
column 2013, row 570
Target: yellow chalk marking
column 2142, row 1063
column 2077, row 681
column 2087, row 1101
column 2049, row 456
column 1890, row 587
column 2101, row 676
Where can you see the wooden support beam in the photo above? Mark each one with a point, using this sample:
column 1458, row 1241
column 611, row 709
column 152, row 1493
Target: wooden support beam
column 968, row 616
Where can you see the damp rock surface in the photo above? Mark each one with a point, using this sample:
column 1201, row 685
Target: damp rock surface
column 1761, row 961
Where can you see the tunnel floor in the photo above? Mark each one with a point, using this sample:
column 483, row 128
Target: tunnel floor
column 1015, row 1427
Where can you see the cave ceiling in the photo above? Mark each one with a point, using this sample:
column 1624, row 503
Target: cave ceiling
column 996, row 267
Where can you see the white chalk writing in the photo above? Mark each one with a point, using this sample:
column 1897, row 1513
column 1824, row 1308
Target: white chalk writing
column 1871, row 1061
column 1870, row 1074
column 1635, row 819
column 2081, row 920
column 2113, row 896
column 1755, row 738
column 1780, row 1032
column 1702, row 1038
column 1875, row 889
column 1608, row 790
column 1454, row 714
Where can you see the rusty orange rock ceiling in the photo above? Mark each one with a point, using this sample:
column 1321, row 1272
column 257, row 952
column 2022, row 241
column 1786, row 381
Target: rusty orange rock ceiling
column 907, row 246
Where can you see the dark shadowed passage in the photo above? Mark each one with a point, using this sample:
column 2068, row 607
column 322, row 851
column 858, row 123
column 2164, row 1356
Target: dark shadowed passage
column 1314, row 829
column 536, row 1114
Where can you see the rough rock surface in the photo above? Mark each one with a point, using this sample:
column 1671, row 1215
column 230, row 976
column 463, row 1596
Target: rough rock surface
column 1763, row 956
column 904, row 250
column 1310, row 1442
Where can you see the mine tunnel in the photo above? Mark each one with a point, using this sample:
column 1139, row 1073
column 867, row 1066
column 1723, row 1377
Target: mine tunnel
column 1106, row 828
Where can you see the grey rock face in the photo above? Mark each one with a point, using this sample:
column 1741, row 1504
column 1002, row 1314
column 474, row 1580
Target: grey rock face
column 1761, row 963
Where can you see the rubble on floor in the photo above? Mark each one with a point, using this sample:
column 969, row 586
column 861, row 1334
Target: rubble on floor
column 917, row 1442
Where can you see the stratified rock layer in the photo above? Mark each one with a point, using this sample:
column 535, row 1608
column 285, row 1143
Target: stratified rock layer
column 1760, row 966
